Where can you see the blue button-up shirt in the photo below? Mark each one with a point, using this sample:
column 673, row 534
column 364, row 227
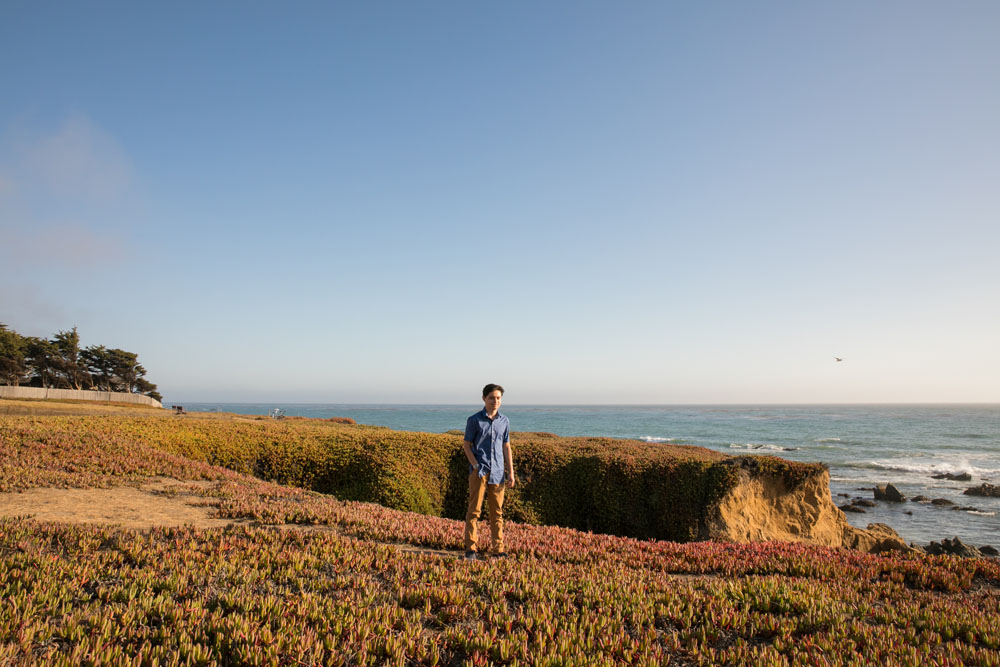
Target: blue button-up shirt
column 488, row 437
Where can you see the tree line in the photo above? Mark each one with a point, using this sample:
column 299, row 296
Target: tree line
column 60, row 363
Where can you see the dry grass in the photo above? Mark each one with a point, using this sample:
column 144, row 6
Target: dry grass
column 75, row 408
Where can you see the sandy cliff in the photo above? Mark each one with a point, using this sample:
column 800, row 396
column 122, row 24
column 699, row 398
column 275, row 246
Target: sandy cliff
column 761, row 508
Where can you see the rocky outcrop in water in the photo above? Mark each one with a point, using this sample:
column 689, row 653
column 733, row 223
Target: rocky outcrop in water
column 954, row 476
column 858, row 505
column 888, row 492
column 985, row 489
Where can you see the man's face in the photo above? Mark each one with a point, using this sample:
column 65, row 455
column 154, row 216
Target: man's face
column 492, row 401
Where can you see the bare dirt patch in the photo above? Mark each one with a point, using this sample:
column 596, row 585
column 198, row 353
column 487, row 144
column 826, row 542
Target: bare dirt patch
column 159, row 502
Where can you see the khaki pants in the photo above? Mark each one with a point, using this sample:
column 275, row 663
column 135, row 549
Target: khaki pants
column 494, row 500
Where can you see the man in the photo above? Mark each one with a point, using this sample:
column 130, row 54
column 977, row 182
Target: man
column 491, row 470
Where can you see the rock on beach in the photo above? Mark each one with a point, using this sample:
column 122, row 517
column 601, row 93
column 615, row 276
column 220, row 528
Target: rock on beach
column 954, row 547
column 888, row 492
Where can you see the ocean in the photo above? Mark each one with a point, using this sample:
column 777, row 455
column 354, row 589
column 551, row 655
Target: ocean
column 863, row 445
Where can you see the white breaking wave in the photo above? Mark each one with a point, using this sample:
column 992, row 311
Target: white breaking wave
column 982, row 513
column 653, row 438
column 926, row 468
column 827, row 440
column 761, row 445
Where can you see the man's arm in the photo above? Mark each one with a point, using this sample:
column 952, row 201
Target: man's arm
column 467, row 447
column 471, row 433
column 508, row 464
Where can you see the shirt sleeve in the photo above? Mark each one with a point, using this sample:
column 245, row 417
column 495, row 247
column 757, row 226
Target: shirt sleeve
column 506, row 433
column 470, row 429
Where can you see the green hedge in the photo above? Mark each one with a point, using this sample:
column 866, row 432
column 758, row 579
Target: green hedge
column 394, row 468
column 605, row 485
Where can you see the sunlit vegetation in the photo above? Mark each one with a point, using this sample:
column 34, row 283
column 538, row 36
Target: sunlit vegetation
column 306, row 579
column 620, row 487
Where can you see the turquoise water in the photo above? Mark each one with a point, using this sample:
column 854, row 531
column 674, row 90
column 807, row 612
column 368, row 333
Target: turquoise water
column 863, row 445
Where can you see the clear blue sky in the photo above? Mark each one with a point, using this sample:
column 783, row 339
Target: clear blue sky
column 648, row 202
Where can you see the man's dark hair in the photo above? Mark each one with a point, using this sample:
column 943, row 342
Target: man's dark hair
column 490, row 388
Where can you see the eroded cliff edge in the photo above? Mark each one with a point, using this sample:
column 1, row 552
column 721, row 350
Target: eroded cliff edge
column 677, row 493
column 763, row 506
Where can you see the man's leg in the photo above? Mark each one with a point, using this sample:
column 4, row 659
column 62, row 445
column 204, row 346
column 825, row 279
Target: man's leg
column 477, row 488
column 494, row 500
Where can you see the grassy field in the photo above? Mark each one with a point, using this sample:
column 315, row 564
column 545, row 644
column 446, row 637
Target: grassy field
column 31, row 406
column 306, row 579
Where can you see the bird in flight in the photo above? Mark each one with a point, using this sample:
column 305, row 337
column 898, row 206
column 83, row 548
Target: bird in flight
column 837, row 359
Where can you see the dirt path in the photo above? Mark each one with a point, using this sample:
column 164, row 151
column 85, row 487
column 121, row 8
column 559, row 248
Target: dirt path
column 159, row 502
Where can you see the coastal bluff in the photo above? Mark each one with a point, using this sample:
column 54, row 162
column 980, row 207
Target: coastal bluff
column 681, row 493
column 761, row 507
column 600, row 485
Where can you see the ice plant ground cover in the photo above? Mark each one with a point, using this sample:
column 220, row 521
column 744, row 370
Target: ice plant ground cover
column 307, row 579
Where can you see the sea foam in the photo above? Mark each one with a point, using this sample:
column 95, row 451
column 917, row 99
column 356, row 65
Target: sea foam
column 937, row 468
column 761, row 445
